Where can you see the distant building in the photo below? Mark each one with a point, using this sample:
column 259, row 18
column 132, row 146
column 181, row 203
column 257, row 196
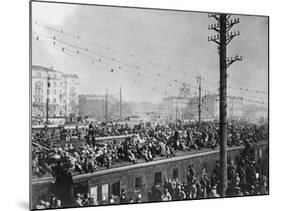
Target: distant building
column 210, row 107
column 235, row 107
column 93, row 106
column 177, row 107
column 254, row 112
column 184, row 91
column 174, row 108
column 71, row 82
column 63, row 96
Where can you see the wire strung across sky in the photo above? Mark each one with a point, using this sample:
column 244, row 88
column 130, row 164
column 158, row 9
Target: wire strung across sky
column 139, row 74
column 159, row 78
column 136, row 58
column 81, row 58
column 108, row 48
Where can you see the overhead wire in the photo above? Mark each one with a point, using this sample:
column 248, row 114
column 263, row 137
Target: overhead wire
column 87, row 50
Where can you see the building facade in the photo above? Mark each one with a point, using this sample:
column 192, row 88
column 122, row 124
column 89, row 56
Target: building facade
column 94, row 106
column 177, row 107
column 59, row 88
column 210, row 107
column 71, row 82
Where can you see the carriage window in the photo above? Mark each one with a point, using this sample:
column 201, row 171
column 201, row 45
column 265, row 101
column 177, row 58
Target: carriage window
column 158, row 178
column 116, row 189
column 175, row 173
column 138, row 182
column 104, row 192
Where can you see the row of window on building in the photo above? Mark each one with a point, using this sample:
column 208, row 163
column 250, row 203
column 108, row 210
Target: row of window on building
column 39, row 94
column 53, row 100
column 39, row 90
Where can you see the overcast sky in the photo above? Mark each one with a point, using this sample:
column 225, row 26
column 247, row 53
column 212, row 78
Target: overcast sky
column 167, row 38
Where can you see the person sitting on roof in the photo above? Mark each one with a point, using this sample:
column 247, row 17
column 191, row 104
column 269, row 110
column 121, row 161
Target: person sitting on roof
column 131, row 156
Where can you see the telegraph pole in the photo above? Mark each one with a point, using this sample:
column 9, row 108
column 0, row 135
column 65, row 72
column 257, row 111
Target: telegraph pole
column 121, row 109
column 66, row 99
column 106, row 102
column 223, row 105
column 199, row 98
column 48, row 99
column 223, row 38
column 177, row 112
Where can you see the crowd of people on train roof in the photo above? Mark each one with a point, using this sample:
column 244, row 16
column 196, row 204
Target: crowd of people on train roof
column 247, row 175
column 147, row 144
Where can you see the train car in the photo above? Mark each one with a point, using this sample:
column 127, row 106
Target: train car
column 142, row 177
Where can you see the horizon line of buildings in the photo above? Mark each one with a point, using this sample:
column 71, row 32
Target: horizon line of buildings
column 65, row 101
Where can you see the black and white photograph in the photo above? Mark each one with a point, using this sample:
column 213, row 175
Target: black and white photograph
column 137, row 105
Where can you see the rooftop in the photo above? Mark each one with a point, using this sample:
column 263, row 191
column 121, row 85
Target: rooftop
column 41, row 68
column 70, row 75
column 47, row 69
column 125, row 165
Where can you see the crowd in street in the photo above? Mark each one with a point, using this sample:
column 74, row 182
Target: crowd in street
column 147, row 143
